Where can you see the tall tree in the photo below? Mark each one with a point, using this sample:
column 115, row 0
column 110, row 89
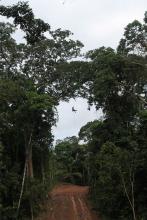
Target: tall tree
column 135, row 38
column 31, row 84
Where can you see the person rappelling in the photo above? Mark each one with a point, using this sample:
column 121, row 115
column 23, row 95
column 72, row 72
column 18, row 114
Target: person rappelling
column 73, row 109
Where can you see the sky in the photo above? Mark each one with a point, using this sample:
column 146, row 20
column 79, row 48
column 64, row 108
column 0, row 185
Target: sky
column 95, row 23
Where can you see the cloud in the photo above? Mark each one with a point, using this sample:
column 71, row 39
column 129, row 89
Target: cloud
column 70, row 122
column 94, row 22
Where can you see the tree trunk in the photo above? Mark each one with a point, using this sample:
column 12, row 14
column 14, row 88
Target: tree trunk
column 131, row 200
column 30, row 163
column 29, row 166
column 132, row 191
column 22, row 189
column 28, row 171
column 42, row 170
column 31, row 208
column 29, row 158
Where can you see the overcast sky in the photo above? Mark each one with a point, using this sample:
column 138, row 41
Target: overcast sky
column 95, row 23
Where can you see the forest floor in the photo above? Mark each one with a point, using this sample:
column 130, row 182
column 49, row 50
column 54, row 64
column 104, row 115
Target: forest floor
column 69, row 202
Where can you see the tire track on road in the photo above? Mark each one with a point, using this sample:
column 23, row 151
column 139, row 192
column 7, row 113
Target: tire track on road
column 69, row 202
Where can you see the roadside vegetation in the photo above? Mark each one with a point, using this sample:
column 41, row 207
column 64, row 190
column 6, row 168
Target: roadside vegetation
column 109, row 155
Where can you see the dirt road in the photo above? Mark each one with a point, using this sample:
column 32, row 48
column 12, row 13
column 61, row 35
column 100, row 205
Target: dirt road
column 69, row 202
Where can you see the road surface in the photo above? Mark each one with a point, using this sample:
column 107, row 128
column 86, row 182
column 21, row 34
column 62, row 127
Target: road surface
column 69, row 202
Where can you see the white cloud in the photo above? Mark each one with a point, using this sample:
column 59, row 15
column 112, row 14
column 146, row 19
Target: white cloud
column 94, row 22
column 70, row 122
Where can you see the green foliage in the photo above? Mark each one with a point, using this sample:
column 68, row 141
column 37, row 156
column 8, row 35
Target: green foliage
column 118, row 83
column 135, row 38
column 22, row 111
column 32, row 82
column 117, row 145
column 23, row 16
column 68, row 153
column 112, row 160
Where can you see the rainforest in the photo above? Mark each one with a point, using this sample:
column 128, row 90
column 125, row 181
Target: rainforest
column 102, row 172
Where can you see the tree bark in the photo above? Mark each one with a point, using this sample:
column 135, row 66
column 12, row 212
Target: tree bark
column 132, row 191
column 22, row 189
column 29, row 167
column 30, row 173
column 42, row 170
column 131, row 200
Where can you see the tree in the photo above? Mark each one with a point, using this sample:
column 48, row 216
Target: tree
column 32, row 82
column 118, row 83
column 117, row 171
column 135, row 38
column 72, row 161
column 116, row 86
column 41, row 58
column 26, row 114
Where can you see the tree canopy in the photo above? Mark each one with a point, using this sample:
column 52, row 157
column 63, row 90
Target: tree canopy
column 109, row 154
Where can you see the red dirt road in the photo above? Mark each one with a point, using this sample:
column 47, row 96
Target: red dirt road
column 69, row 202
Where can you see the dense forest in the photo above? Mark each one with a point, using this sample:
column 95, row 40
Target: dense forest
column 109, row 155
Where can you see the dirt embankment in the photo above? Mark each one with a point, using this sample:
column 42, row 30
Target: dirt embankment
column 69, row 202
